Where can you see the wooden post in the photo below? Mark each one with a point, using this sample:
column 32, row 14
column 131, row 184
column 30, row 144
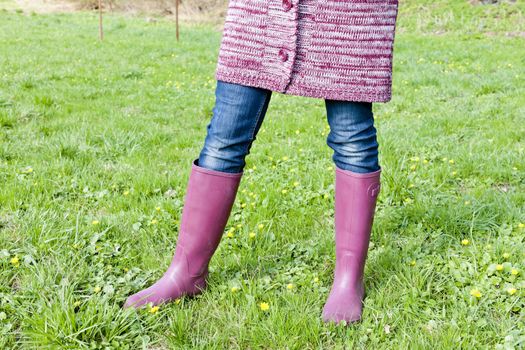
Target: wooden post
column 100, row 29
column 177, row 18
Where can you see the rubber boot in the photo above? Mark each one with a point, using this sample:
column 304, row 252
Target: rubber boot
column 209, row 199
column 355, row 202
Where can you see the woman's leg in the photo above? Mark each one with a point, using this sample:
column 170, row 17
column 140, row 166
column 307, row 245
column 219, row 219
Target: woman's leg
column 357, row 185
column 212, row 188
column 352, row 135
column 237, row 117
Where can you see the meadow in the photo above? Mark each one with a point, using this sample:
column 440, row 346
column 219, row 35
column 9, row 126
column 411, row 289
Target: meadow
column 96, row 141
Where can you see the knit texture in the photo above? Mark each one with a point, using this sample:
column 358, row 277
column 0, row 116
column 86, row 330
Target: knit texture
column 333, row 49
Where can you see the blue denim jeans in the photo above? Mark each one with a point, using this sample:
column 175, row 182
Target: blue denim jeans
column 240, row 110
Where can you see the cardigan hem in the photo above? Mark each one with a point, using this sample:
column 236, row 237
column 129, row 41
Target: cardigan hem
column 296, row 90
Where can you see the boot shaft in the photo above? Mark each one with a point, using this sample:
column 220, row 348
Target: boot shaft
column 355, row 202
column 208, row 203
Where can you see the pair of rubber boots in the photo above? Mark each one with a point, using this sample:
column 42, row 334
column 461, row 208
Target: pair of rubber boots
column 209, row 199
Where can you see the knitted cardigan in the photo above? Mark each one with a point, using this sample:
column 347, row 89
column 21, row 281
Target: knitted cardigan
column 333, row 49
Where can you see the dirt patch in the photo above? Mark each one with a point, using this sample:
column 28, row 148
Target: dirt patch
column 45, row 6
column 188, row 11
column 489, row 2
column 508, row 34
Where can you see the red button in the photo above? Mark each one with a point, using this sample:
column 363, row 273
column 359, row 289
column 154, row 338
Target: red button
column 283, row 55
column 287, row 5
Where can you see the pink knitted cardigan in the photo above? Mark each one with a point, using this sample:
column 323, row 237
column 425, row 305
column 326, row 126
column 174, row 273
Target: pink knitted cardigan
column 334, row 49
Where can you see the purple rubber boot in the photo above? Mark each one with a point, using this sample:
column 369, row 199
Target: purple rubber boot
column 207, row 206
column 355, row 201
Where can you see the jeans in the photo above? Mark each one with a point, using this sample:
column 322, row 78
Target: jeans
column 239, row 112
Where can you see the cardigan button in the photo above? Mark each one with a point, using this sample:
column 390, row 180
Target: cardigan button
column 283, row 55
column 287, row 5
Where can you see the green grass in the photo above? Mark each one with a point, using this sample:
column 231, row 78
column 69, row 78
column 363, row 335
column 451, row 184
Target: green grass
column 96, row 140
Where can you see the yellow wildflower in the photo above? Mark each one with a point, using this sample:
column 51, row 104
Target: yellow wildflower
column 512, row 291
column 97, row 289
column 284, row 191
column 413, row 167
column 230, row 234
column 234, row 289
column 451, row 161
column 413, row 263
column 296, row 183
column 157, row 208
column 285, row 158
column 506, row 255
column 95, row 222
column 27, row 170
column 264, row 306
column 475, row 293
column 289, row 286
column 514, row 272
column 15, row 261
column 126, row 193
column 252, row 235
column 154, row 221
column 154, row 309
column 465, row 242
column 316, row 279
column 521, row 225
column 499, row 267
column 260, row 226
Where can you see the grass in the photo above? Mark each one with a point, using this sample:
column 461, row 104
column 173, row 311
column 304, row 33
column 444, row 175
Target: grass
column 96, row 140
